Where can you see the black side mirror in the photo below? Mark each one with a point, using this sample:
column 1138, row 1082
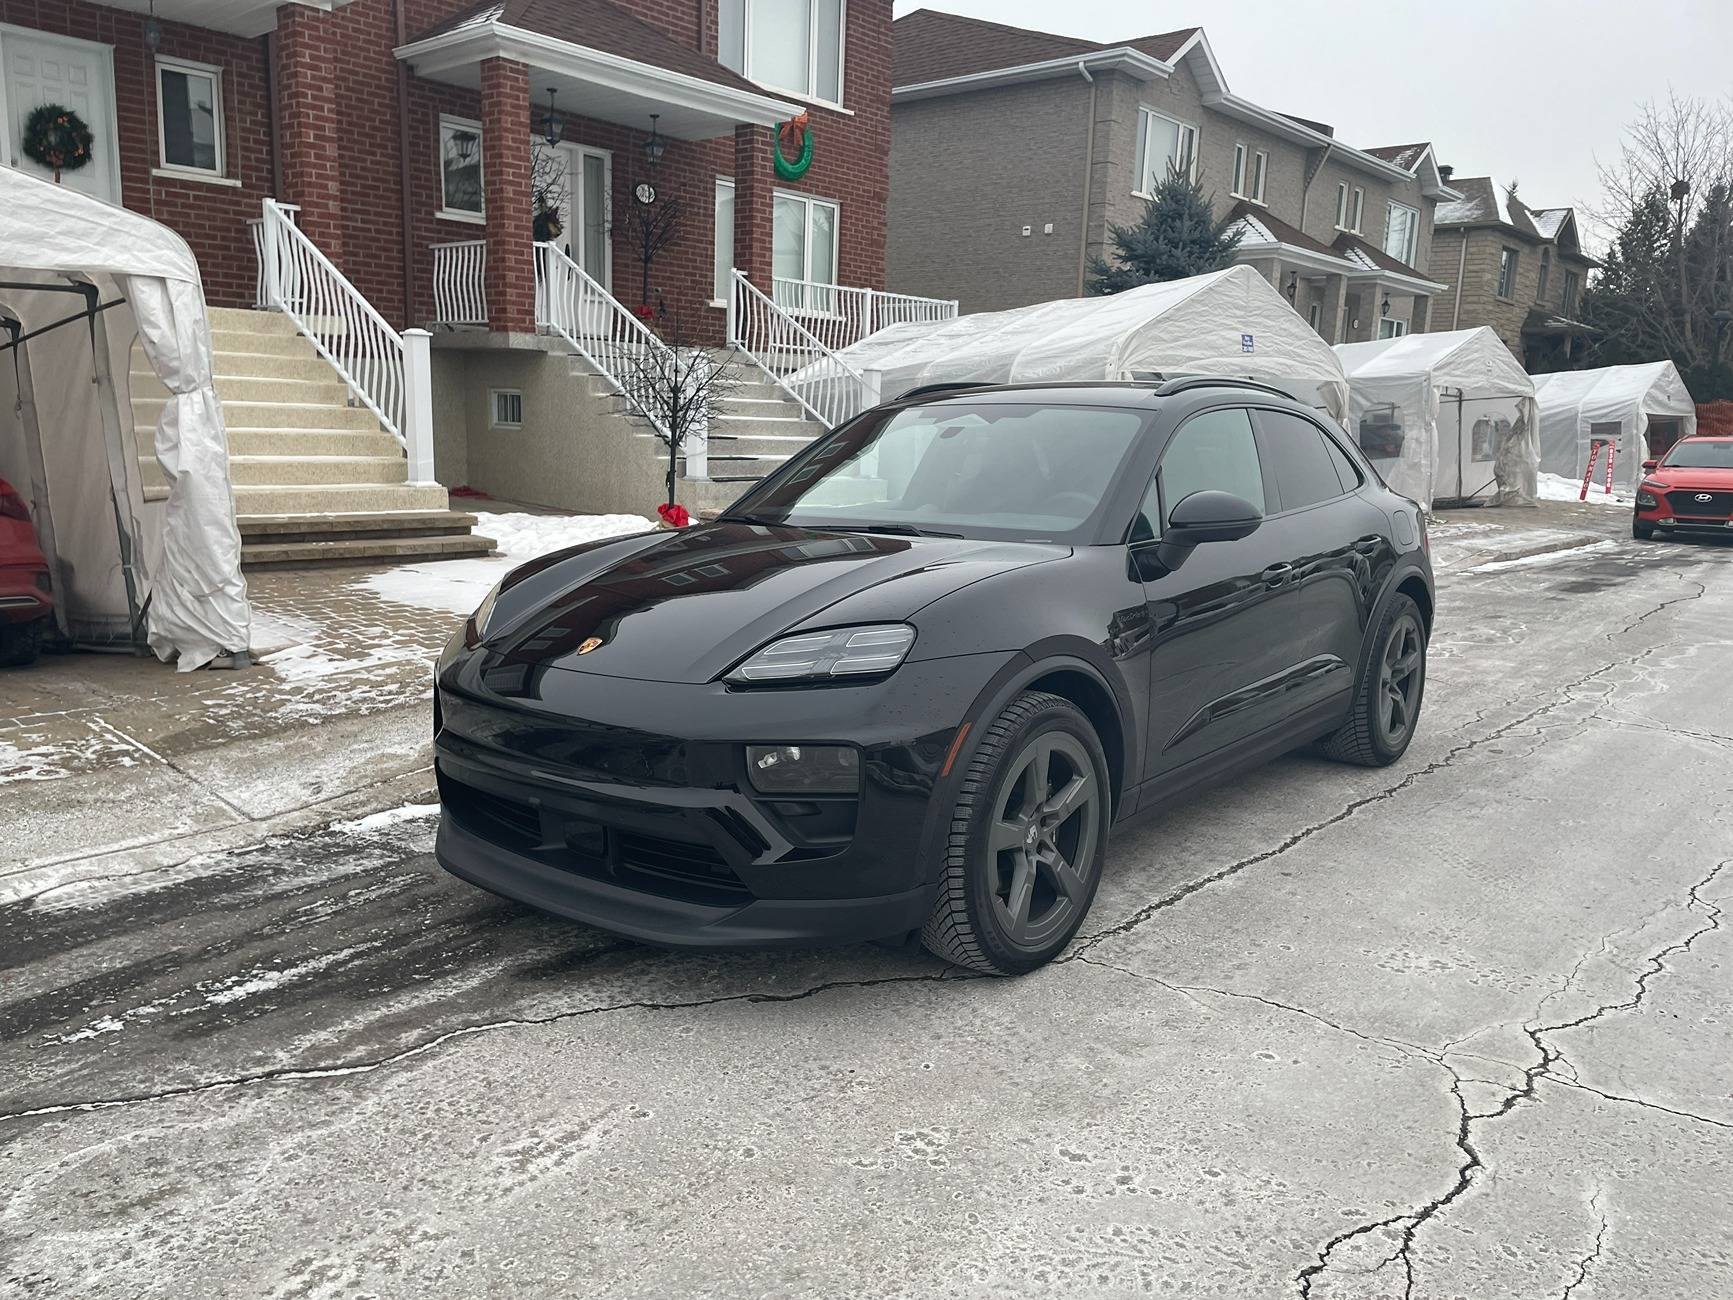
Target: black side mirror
column 1649, row 466
column 1205, row 517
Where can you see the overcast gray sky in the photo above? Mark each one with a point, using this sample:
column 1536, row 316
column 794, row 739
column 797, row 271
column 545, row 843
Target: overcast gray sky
column 1525, row 89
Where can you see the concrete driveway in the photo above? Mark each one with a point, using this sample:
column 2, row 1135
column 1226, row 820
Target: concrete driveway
column 1459, row 1028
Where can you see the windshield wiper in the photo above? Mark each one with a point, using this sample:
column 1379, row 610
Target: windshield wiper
column 758, row 520
column 899, row 530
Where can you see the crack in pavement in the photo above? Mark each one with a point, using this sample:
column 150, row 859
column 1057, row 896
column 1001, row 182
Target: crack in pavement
column 1587, row 1261
column 294, row 1074
column 1549, row 1055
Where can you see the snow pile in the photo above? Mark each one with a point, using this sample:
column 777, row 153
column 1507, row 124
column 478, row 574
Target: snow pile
column 1556, row 487
column 379, row 821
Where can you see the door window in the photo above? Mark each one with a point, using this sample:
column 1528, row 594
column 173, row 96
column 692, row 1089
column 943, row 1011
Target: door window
column 1215, row 451
column 803, row 253
column 1298, row 455
column 724, row 287
column 594, row 254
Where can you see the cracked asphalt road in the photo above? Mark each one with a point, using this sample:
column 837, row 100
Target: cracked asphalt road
column 1459, row 1028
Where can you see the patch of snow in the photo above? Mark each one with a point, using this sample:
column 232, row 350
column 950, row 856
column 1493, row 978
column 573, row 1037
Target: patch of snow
column 1556, row 487
column 390, row 817
column 1546, row 557
column 457, row 586
column 266, row 979
column 300, row 663
column 273, row 632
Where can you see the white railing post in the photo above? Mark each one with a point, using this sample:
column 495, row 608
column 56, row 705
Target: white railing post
column 270, row 256
column 867, row 316
column 418, row 404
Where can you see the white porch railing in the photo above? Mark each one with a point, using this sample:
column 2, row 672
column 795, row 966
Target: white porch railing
column 800, row 362
column 624, row 351
column 839, row 315
column 258, row 227
column 391, row 374
column 460, row 283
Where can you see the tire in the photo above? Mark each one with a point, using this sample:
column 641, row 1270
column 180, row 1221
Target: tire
column 1020, row 873
column 1641, row 531
column 20, row 643
column 1370, row 738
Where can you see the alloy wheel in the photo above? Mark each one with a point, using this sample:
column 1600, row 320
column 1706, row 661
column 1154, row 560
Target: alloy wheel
column 1400, row 673
column 1042, row 838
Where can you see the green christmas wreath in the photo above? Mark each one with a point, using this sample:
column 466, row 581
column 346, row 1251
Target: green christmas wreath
column 801, row 126
column 57, row 138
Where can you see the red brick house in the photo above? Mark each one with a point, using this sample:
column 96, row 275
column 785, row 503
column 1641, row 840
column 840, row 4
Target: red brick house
column 411, row 139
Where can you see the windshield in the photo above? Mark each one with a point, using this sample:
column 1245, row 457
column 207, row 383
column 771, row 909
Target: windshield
column 1696, row 453
column 1010, row 471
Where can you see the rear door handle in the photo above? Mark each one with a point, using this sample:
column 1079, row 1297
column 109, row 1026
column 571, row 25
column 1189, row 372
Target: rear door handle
column 1277, row 574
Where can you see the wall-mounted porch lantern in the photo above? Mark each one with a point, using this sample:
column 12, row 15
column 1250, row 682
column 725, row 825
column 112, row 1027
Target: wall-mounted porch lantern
column 552, row 128
column 655, row 146
column 153, row 30
column 1293, row 285
column 1384, row 307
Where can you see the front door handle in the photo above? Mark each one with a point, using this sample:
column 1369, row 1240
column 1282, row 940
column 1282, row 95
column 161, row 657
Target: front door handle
column 1277, row 574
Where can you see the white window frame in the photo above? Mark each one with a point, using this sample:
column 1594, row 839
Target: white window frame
column 810, row 96
column 1359, row 209
column 1391, row 328
column 1506, row 265
column 494, row 396
column 1341, row 204
column 806, row 305
column 220, row 172
column 450, row 122
column 1411, row 249
column 1146, row 179
column 1240, row 157
column 724, row 287
column 1260, row 174
column 1315, row 316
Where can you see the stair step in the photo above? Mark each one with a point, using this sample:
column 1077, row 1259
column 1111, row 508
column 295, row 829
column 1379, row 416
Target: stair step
column 273, row 415
column 309, row 442
column 763, row 406
column 301, row 471
column 349, row 527
column 226, row 341
column 253, row 499
column 764, row 419
column 362, row 550
column 325, row 390
column 271, row 365
column 249, row 321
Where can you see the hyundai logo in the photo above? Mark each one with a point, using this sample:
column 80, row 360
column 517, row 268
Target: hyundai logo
column 1704, row 496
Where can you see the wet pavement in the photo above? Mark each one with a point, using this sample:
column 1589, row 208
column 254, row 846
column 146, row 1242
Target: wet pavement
column 1457, row 1028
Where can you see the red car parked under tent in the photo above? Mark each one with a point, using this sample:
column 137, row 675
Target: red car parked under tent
column 81, row 281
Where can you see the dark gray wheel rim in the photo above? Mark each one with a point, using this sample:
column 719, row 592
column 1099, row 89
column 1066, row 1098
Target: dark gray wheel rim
column 1041, row 842
column 1400, row 672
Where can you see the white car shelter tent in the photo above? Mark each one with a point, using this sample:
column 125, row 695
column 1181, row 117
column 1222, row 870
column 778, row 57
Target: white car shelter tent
column 1230, row 324
column 1642, row 410
column 1445, row 417
column 80, row 281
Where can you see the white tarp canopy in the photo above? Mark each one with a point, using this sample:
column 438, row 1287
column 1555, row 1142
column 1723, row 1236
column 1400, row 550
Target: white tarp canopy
column 1642, row 410
column 1229, row 323
column 1445, row 417
column 80, row 281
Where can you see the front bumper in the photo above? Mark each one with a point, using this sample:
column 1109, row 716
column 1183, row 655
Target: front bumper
column 625, row 804
column 1680, row 508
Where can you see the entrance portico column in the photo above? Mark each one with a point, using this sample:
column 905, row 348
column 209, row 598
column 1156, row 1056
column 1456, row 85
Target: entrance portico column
column 754, row 204
column 307, row 111
column 506, row 189
column 1333, row 303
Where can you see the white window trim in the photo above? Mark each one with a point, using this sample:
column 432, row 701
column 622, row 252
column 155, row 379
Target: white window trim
column 1359, row 210
column 722, row 183
column 164, row 166
column 493, row 420
column 1142, row 188
column 1260, row 174
column 1241, row 156
column 835, row 250
column 1341, row 204
column 1397, row 327
column 806, row 96
column 1412, row 249
column 458, row 214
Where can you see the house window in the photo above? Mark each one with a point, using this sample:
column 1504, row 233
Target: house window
column 1392, row 329
column 1240, row 159
column 1507, row 273
column 1545, row 275
column 1163, row 146
column 460, row 170
column 1402, row 233
column 1315, row 317
column 803, row 252
column 507, row 406
column 1569, row 304
column 1359, row 207
column 724, row 239
column 189, row 111
column 1350, row 204
column 789, row 45
column 1250, row 168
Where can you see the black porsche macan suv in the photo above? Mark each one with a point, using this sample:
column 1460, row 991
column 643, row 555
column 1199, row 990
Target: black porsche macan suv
column 909, row 681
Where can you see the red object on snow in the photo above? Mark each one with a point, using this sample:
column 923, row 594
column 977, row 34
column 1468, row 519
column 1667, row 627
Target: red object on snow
column 674, row 516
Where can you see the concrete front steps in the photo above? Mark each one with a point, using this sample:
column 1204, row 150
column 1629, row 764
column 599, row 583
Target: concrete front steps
column 316, row 480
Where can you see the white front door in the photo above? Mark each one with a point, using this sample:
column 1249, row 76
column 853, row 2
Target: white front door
column 38, row 69
column 585, row 235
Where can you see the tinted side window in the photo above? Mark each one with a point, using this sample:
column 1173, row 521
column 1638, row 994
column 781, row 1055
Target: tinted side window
column 1346, row 470
column 1299, row 459
column 1213, row 451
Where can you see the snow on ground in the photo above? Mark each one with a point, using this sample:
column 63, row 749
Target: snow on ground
column 1545, row 557
column 457, row 586
column 390, row 817
column 1556, row 487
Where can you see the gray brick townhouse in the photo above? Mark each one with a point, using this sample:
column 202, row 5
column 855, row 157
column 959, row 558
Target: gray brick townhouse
column 1013, row 151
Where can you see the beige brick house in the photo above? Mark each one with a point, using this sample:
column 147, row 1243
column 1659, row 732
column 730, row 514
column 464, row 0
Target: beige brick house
column 1519, row 269
column 1013, row 152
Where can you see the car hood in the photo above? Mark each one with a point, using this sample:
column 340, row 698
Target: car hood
column 1684, row 476
column 690, row 604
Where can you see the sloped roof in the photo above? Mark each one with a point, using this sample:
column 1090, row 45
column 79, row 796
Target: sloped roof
column 1372, row 258
column 1405, row 156
column 1262, row 228
column 1484, row 202
column 1549, row 221
column 928, row 45
column 596, row 25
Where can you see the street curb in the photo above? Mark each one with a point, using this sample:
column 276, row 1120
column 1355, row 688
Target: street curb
column 1575, row 541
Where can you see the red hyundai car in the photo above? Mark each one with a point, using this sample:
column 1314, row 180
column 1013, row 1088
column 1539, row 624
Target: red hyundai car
column 1690, row 490
column 26, row 602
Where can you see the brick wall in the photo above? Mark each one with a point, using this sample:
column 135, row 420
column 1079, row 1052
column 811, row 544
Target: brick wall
column 211, row 218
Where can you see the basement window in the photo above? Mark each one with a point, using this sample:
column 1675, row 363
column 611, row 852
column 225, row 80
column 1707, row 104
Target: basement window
column 507, row 405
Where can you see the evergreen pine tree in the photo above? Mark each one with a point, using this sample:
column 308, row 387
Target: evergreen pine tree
column 1177, row 236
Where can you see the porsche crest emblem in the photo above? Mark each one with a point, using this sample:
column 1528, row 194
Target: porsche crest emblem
column 590, row 643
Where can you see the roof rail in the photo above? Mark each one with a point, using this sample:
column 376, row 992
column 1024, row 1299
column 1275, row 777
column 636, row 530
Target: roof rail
column 1185, row 383
column 934, row 390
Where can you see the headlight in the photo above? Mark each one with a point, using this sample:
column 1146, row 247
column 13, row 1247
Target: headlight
column 476, row 626
column 843, row 652
column 1647, row 500
column 803, row 769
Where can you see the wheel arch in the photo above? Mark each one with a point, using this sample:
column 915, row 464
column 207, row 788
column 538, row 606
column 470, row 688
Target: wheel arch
column 1415, row 588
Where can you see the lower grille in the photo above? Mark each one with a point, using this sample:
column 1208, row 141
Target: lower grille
column 1685, row 504
column 694, row 872
column 503, row 821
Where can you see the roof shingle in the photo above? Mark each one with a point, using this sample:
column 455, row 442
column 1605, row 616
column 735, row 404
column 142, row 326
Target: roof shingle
column 929, row 45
